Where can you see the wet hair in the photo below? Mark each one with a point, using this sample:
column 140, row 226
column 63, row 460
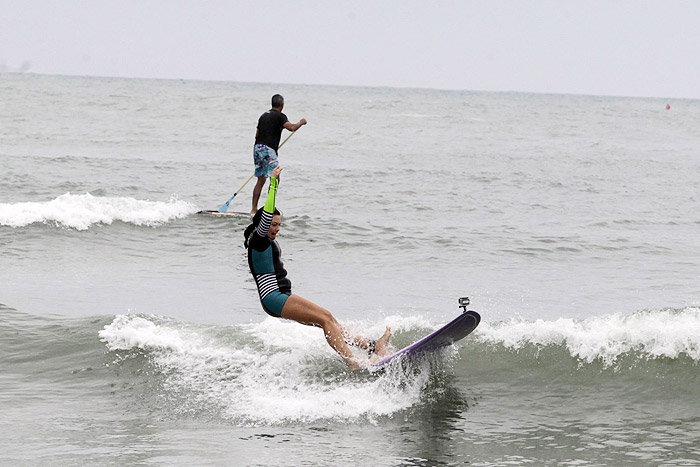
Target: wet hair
column 277, row 100
column 256, row 220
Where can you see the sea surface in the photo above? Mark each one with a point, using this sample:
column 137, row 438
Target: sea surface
column 131, row 331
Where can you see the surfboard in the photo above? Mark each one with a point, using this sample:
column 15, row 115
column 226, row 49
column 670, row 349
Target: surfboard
column 453, row 331
column 225, row 214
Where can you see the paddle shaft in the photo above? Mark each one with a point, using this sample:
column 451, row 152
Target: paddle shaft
column 224, row 207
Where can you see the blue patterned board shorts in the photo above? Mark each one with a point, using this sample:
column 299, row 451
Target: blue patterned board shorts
column 265, row 159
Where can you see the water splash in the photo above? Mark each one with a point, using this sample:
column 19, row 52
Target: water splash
column 273, row 372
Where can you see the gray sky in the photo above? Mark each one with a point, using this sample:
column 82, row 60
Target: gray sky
column 606, row 47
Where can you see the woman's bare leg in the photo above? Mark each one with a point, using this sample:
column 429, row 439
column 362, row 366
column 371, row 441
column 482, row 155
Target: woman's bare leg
column 304, row 311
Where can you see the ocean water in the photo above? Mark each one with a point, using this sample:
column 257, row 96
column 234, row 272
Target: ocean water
column 131, row 332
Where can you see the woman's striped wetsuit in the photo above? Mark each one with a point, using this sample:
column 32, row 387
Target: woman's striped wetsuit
column 265, row 262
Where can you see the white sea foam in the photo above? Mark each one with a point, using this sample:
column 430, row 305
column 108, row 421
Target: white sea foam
column 652, row 334
column 284, row 373
column 82, row 211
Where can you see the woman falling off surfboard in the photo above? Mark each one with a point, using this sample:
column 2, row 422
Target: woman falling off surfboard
column 275, row 289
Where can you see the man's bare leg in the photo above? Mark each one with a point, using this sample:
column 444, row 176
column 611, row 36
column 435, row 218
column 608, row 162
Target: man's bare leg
column 256, row 193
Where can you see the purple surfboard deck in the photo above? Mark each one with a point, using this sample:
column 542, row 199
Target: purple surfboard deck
column 453, row 331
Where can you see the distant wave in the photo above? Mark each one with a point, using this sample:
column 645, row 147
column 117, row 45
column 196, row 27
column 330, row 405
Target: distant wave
column 650, row 334
column 82, row 211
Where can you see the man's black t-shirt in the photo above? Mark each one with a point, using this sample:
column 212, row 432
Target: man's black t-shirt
column 270, row 125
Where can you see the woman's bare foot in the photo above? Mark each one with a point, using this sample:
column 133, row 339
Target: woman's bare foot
column 380, row 348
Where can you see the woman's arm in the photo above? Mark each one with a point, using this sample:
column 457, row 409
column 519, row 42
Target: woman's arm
column 269, row 209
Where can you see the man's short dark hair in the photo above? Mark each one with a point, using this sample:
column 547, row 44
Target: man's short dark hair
column 277, row 100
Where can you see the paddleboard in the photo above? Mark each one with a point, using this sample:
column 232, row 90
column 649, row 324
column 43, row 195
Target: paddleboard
column 225, row 214
column 453, row 331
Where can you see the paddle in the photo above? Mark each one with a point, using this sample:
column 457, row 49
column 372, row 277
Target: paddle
column 224, row 207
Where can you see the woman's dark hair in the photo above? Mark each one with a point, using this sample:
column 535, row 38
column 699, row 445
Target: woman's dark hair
column 256, row 220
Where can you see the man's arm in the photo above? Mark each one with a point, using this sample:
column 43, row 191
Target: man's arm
column 295, row 126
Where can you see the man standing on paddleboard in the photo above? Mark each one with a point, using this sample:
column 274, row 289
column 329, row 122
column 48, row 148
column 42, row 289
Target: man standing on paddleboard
column 267, row 141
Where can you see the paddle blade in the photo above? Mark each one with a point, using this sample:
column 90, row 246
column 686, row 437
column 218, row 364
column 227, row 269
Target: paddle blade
column 224, row 207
